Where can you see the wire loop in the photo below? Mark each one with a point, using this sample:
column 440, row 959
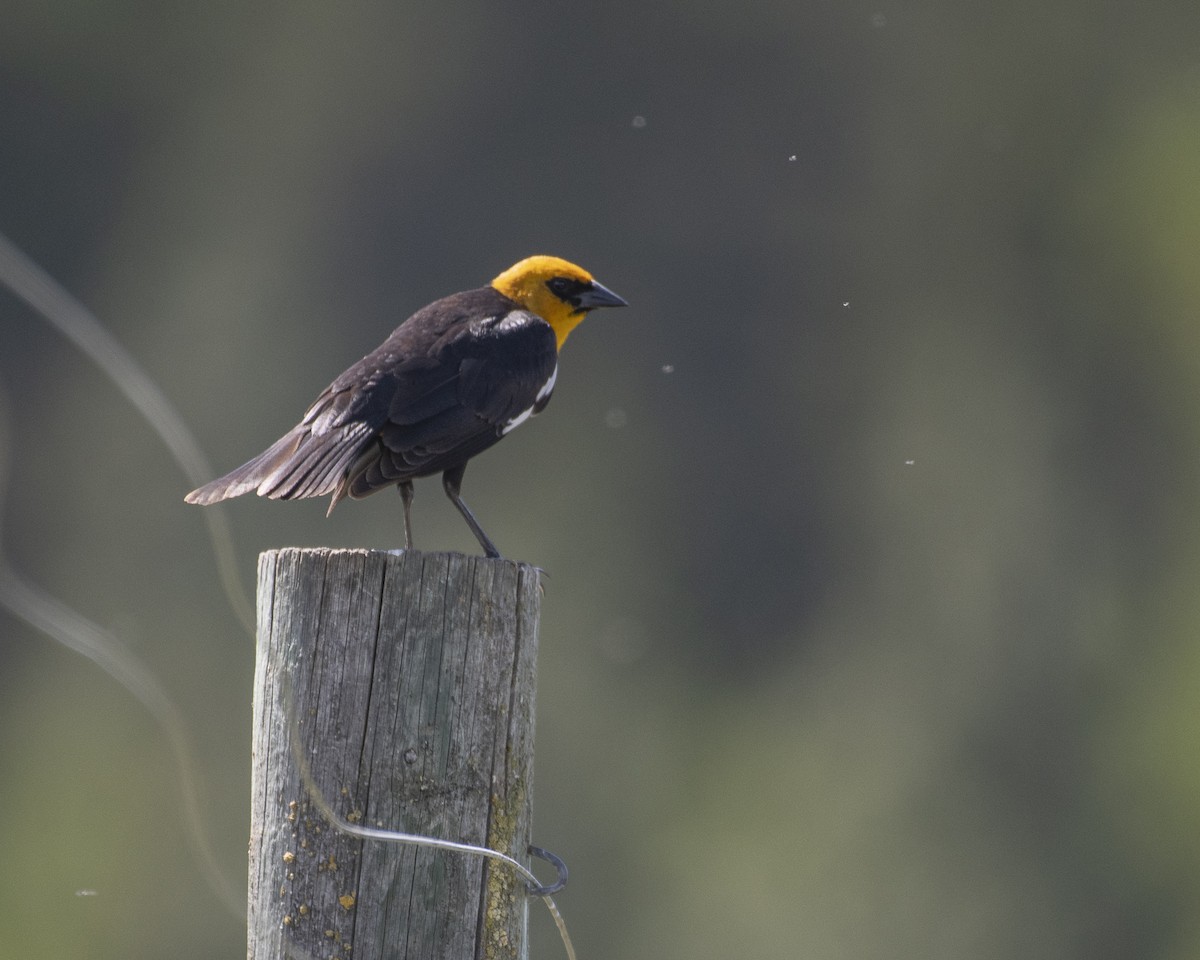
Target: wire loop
column 557, row 863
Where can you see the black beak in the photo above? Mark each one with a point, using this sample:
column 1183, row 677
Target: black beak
column 597, row 295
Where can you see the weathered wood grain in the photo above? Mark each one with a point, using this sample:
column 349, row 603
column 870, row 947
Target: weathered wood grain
column 411, row 680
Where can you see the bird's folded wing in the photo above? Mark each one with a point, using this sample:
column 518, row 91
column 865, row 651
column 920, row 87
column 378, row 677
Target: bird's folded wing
column 444, row 411
column 389, row 417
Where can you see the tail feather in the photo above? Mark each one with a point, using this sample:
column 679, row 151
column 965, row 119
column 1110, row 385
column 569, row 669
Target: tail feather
column 298, row 465
column 316, row 467
column 250, row 475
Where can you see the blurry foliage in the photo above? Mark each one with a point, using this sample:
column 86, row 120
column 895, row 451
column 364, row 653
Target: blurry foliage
column 871, row 625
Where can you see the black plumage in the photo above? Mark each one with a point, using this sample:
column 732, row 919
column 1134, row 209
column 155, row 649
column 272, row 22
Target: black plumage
column 448, row 383
column 441, row 389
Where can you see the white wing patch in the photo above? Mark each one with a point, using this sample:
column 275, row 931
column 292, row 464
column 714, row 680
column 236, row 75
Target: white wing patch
column 539, row 401
column 513, row 320
column 547, row 388
column 516, row 421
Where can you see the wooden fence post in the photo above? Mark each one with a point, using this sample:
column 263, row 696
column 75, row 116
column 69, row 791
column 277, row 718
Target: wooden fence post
column 409, row 679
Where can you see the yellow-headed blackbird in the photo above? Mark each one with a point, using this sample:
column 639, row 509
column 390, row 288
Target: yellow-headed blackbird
column 449, row 382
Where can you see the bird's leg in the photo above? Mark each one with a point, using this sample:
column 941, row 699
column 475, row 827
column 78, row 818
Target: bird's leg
column 451, row 481
column 406, row 494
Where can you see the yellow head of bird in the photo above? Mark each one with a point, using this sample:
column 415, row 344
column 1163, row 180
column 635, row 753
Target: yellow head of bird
column 556, row 290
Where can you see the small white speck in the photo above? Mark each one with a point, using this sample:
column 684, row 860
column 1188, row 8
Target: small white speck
column 639, row 122
column 668, row 368
column 792, row 158
column 87, row 893
column 845, row 303
column 616, row 418
column 909, row 463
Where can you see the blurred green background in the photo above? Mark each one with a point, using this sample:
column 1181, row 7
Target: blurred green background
column 872, row 524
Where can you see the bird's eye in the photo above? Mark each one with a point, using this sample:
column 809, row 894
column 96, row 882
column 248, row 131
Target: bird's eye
column 563, row 287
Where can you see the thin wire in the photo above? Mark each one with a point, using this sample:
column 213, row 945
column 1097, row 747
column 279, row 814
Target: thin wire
column 44, row 613
column 50, row 616
column 75, row 322
column 396, row 836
